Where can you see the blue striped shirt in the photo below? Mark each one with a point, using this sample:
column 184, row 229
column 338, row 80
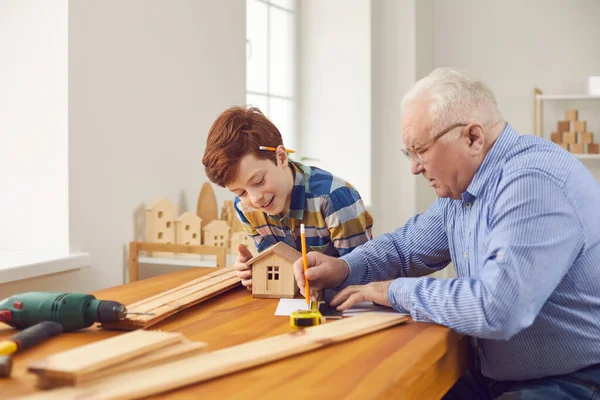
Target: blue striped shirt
column 525, row 242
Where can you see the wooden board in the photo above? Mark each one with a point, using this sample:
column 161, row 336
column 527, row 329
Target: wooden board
column 139, row 384
column 104, row 353
column 177, row 299
column 169, row 353
column 206, row 208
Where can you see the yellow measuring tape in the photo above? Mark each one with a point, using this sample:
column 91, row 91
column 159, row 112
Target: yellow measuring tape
column 305, row 318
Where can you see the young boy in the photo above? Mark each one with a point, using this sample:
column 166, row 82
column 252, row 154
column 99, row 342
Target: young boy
column 275, row 195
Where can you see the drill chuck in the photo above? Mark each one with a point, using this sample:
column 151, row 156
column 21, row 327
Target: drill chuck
column 111, row 311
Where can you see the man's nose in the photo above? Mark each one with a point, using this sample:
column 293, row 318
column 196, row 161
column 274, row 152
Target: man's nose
column 416, row 167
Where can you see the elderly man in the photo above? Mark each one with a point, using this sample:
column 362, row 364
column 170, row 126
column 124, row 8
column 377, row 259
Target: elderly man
column 520, row 219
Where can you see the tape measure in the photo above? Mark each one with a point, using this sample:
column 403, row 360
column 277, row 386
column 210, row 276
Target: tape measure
column 305, row 318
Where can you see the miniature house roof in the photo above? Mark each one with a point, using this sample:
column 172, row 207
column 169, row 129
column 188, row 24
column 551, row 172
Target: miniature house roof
column 161, row 201
column 216, row 223
column 280, row 249
column 188, row 215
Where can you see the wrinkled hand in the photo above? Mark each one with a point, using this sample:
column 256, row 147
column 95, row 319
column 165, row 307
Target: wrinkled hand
column 323, row 272
column 376, row 292
column 241, row 269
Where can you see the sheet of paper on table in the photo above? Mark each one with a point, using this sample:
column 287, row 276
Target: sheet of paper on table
column 287, row 306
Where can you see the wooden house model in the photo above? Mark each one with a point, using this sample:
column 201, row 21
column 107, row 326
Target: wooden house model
column 237, row 238
column 272, row 272
column 160, row 219
column 216, row 233
column 187, row 229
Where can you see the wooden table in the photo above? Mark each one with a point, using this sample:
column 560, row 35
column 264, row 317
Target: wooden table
column 413, row 360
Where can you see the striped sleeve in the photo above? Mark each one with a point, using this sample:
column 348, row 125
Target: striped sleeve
column 259, row 241
column 349, row 222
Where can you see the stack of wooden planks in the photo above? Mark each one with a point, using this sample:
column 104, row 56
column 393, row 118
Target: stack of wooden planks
column 137, row 384
column 177, row 299
column 131, row 351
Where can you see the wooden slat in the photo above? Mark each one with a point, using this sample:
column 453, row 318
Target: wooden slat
column 169, row 353
column 104, row 353
column 174, row 300
column 206, row 366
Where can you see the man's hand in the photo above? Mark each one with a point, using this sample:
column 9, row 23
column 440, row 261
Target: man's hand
column 323, row 272
column 376, row 292
column 241, row 269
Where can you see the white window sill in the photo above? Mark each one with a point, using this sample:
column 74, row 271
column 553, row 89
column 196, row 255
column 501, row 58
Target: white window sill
column 16, row 265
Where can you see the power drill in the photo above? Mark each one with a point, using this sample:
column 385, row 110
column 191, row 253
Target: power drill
column 72, row 310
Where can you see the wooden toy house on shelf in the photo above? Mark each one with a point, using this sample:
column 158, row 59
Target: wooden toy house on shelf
column 184, row 239
column 160, row 228
column 272, row 272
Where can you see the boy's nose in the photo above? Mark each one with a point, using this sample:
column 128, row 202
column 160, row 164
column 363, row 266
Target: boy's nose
column 257, row 199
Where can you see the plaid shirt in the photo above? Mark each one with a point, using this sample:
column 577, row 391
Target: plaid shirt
column 332, row 211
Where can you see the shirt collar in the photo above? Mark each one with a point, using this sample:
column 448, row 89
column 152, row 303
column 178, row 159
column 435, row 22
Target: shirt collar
column 493, row 159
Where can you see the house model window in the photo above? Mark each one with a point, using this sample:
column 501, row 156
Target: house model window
column 273, row 273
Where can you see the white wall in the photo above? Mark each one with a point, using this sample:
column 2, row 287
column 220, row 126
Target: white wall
column 394, row 69
column 518, row 45
column 33, row 125
column 146, row 81
column 335, row 89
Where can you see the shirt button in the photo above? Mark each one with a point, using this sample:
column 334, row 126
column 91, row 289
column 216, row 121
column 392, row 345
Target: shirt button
column 468, row 204
column 466, row 254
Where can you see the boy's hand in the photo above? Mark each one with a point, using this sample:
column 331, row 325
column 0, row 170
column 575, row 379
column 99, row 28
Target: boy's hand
column 323, row 272
column 241, row 269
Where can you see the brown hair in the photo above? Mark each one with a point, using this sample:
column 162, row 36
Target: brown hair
column 236, row 132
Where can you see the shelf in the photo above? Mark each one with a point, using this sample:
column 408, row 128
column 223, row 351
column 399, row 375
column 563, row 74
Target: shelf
column 588, row 156
column 568, row 96
column 185, row 261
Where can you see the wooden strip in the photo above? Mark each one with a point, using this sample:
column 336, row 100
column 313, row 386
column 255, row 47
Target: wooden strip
column 138, row 384
column 165, row 298
column 174, row 300
column 103, row 353
column 169, row 353
column 229, row 271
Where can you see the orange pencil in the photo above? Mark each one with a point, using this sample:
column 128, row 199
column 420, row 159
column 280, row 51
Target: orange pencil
column 273, row 149
column 304, row 263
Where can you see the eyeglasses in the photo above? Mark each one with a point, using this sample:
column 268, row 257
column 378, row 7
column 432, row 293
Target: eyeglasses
column 412, row 153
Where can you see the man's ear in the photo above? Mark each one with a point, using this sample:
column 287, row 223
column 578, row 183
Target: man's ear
column 475, row 138
column 282, row 157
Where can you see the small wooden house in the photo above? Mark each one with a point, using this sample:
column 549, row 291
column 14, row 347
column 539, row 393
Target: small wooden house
column 272, row 272
column 216, row 233
column 160, row 227
column 237, row 238
column 187, row 229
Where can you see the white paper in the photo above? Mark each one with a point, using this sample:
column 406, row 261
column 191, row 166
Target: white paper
column 288, row 306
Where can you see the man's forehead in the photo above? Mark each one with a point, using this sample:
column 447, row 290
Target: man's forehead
column 414, row 132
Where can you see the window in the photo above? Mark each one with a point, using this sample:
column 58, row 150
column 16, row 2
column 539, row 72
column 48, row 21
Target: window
column 270, row 67
column 273, row 273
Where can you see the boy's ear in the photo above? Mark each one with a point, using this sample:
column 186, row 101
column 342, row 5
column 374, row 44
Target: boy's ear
column 281, row 155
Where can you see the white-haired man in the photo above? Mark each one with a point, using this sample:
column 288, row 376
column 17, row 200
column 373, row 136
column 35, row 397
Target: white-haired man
column 520, row 219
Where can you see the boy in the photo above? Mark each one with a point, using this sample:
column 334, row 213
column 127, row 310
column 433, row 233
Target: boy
column 275, row 195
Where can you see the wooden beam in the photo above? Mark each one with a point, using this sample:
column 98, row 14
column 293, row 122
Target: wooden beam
column 169, row 302
column 151, row 381
column 169, row 353
column 102, row 354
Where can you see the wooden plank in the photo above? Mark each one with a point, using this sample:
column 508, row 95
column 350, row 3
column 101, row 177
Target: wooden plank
column 104, row 353
column 169, row 353
column 179, row 298
column 138, row 384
